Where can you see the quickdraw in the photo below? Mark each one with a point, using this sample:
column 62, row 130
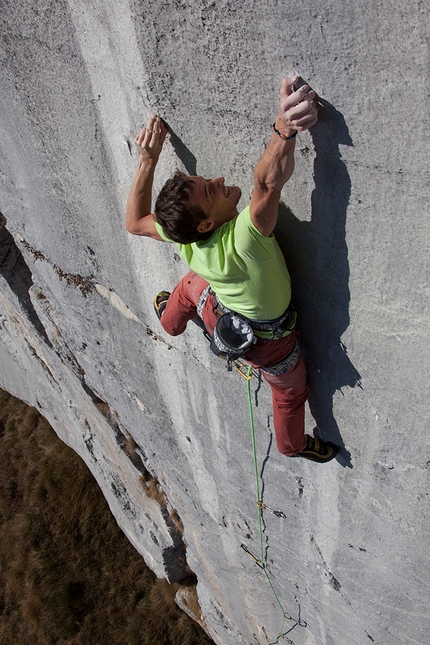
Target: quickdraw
column 264, row 507
column 254, row 557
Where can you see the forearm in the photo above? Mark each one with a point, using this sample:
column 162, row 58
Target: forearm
column 277, row 162
column 297, row 112
column 139, row 219
column 139, row 203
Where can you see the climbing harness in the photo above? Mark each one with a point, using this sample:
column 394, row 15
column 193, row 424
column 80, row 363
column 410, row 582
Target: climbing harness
column 235, row 334
column 262, row 506
column 267, row 329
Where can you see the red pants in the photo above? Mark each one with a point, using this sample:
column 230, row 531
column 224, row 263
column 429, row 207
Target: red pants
column 289, row 390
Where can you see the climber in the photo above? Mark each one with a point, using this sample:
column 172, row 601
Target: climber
column 238, row 272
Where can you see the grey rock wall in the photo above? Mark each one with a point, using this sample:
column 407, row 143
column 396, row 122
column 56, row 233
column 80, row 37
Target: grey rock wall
column 162, row 425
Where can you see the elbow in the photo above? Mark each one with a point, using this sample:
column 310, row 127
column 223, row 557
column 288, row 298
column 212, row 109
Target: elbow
column 130, row 223
column 131, row 227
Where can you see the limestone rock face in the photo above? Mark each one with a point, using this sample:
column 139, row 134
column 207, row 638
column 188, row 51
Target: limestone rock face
column 161, row 423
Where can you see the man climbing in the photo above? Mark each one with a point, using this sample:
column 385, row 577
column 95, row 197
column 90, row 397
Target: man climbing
column 236, row 264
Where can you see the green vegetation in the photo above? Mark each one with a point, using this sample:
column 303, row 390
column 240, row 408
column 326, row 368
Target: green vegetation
column 68, row 575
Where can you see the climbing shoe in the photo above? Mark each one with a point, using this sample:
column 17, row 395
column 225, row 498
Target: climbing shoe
column 318, row 450
column 160, row 302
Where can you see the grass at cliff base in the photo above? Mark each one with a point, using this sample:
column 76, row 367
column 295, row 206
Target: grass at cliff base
column 68, row 575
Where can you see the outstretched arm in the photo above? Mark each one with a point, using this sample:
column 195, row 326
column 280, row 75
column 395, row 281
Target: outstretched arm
column 139, row 220
column 297, row 112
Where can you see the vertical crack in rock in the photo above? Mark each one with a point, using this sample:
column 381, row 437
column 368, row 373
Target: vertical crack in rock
column 174, row 556
column 18, row 276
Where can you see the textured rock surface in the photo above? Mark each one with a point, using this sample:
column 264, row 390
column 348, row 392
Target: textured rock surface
column 159, row 421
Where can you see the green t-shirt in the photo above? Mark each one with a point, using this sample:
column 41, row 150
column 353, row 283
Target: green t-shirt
column 246, row 269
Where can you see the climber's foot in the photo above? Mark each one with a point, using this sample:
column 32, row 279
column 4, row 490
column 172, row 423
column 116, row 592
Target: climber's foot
column 318, row 450
column 160, row 302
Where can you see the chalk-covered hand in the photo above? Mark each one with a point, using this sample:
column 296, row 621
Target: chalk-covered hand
column 151, row 138
column 298, row 110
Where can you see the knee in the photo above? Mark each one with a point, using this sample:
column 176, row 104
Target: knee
column 171, row 330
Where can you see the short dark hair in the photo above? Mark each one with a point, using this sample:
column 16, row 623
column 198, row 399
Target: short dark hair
column 174, row 213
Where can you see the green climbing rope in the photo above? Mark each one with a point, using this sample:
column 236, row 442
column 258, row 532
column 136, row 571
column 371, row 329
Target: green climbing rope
column 260, row 507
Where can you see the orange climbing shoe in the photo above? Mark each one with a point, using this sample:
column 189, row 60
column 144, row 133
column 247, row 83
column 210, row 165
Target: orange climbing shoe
column 160, row 302
column 318, row 450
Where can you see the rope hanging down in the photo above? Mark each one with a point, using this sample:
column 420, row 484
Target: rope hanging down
column 260, row 505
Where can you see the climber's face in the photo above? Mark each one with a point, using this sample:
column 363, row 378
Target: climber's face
column 217, row 200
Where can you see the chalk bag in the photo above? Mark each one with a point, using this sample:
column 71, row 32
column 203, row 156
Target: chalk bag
column 233, row 336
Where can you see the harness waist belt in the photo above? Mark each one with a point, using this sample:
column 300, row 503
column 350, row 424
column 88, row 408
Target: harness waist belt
column 266, row 329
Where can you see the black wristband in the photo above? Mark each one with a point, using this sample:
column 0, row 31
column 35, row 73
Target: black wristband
column 283, row 137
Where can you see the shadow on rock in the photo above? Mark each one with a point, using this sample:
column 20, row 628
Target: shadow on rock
column 18, row 276
column 183, row 152
column 317, row 257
